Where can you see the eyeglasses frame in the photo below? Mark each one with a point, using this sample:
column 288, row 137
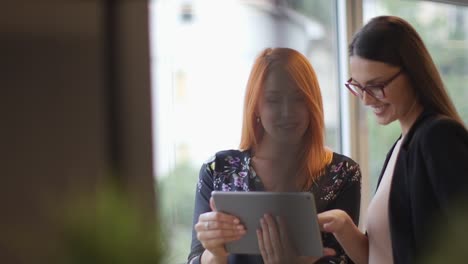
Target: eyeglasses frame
column 366, row 88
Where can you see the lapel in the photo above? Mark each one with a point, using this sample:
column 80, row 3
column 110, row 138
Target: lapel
column 406, row 142
column 389, row 154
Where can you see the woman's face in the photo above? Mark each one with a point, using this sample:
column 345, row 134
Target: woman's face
column 400, row 98
column 283, row 109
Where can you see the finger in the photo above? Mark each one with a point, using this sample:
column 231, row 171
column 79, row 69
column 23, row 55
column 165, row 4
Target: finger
column 326, row 222
column 212, row 204
column 333, row 226
column 215, row 234
column 210, row 239
column 216, row 225
column 274, row 233
column 329, row 252
column 325, row 218
column 283, row 232
column 328, row 227
column 217, row 216
column 261, row 245
column 266, row 237
column 333, row 220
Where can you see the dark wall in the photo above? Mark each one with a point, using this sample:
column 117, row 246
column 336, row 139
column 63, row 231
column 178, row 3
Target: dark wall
column 74, row 110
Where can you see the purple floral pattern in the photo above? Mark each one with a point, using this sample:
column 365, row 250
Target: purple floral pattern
column 338, row 187
column 235, row 173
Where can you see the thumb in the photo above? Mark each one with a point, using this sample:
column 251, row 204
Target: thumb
column 328, row 227
column 329, row 252
column 212, row 204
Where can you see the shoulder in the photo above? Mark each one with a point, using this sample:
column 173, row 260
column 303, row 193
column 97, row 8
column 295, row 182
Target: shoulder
column 344, row 167
column 227, row 157
column 345, row 162
column 341, row 174
column 340, row 158
column 444, row 126
column 441, row 130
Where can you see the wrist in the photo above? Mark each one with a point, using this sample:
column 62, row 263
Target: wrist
column 345, row 226
column 209, row 258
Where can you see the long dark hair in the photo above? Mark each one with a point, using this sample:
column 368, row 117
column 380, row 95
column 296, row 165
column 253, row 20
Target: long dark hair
column 394, row 41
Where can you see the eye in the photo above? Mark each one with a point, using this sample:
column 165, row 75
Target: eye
column 374, row 87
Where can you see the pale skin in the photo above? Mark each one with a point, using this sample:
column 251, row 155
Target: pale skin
column 284, row 118
column 214, row 230
column 400, row 104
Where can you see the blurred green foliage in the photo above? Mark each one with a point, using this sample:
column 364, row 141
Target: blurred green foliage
column 451, row 240
column 177, row 200
column 109, row 228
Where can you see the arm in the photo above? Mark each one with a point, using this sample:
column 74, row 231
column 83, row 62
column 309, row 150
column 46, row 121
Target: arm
column 445, row 151
column 211, row 229
column 198, row 254
column 341, row 221
column 353, row 241
column 439, row 181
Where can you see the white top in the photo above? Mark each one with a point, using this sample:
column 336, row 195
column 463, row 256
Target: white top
column 378, row 227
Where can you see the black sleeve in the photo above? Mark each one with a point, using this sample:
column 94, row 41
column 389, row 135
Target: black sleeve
column 348, row 200
column 446, row 157
column 438, row 181
column 202, row 205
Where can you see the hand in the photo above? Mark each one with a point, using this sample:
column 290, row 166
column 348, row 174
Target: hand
column 334, row 221
column 275, row 246
column 215, row 229
column 353, row 241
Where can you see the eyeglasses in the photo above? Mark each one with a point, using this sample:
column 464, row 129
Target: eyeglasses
column 374, row 90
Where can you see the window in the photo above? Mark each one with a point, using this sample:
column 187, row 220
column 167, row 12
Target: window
column 444, row 29
column 202, row 52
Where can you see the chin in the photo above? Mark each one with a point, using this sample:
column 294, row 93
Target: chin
column 384, row 121
column 289, row 140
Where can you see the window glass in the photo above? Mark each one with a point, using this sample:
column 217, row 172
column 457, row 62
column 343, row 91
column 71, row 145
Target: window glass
column 444, row 29
column 202, row 52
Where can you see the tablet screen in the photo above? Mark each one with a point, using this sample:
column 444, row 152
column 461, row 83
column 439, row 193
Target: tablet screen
column 297, row 209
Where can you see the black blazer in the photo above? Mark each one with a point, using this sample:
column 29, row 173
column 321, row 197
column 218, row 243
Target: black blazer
column 430, row 176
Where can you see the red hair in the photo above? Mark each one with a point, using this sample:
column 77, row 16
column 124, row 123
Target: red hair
column 314, row 156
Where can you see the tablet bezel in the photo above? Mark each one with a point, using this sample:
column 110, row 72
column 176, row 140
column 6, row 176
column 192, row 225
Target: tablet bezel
column 297, row 208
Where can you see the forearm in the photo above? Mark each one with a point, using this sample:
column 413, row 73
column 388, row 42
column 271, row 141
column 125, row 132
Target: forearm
column 208, row 258
column 354, row 243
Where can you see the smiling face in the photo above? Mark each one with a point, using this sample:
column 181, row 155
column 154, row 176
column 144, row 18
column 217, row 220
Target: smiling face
column 282, row 109
column 400, row 102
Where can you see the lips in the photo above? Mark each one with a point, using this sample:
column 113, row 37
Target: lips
column 287, row 125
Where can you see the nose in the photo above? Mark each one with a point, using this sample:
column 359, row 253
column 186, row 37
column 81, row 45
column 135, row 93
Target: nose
column 286, row 107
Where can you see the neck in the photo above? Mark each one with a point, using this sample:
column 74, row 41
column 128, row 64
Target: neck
column 272, row 151
column 277, row 165
column 408, row 120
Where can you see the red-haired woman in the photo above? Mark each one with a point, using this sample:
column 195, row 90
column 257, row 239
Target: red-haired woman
column 282, row 149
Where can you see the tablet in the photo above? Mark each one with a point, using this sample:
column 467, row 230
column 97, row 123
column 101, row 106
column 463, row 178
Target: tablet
column 297, row 209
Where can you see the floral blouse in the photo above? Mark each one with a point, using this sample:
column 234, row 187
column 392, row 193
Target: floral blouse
column 231, row 170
